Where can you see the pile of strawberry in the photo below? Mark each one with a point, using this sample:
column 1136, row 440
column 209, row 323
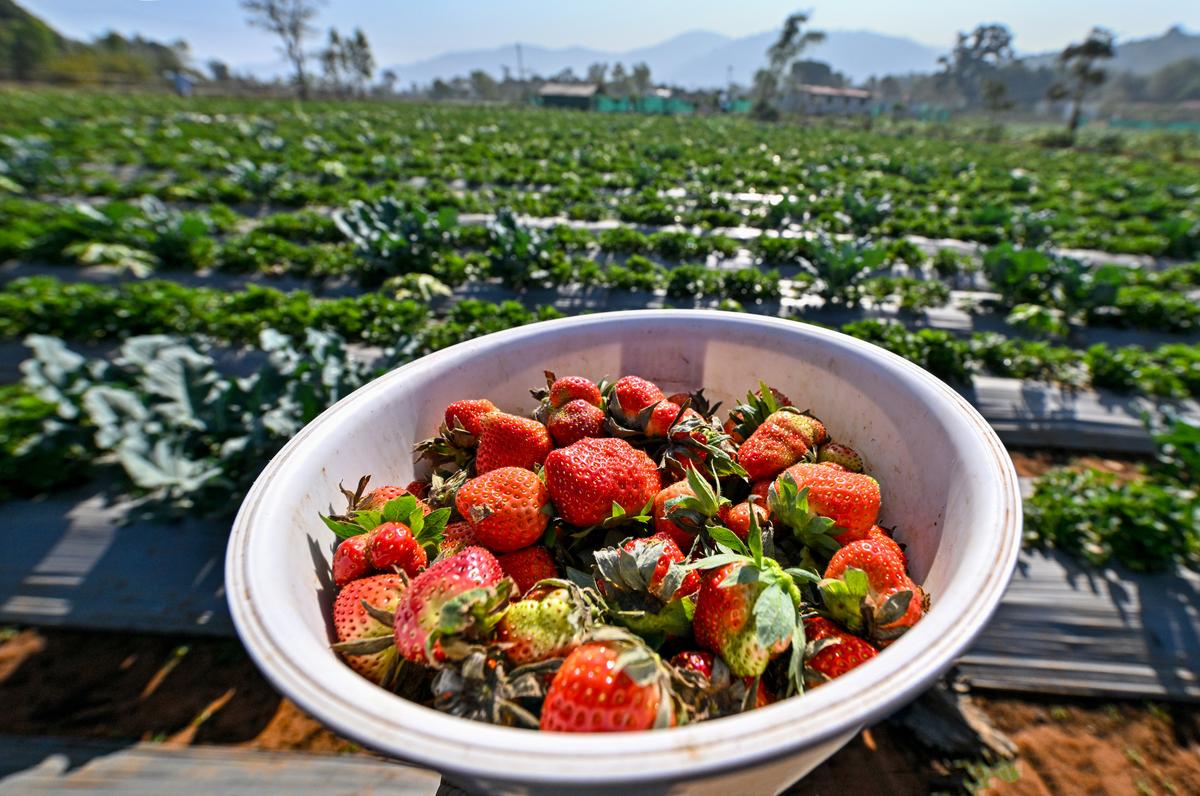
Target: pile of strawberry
column 621, row 560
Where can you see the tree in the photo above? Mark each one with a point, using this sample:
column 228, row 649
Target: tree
column 358, row 59
column 975, row 59
column 331, row 60
column 483, row 85
column 290, row 20
column 995, row 96
column 25, row 46
column 1078, row 61
column 769, row 83
column 596, row 74
column 641, row 79
column 792, row 41
column 389, row 80
column 618, row 81
column 219, row 71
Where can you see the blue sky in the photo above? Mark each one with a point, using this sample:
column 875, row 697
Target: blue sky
column 406, row 31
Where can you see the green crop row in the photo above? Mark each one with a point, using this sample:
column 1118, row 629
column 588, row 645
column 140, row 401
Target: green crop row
column 1150, row 522
column 592, row 166
column 85, row 312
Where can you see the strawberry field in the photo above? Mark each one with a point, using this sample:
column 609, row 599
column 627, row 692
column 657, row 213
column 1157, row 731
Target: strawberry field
column 185, row 284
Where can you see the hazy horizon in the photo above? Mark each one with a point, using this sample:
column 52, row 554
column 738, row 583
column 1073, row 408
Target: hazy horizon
column 217, row 28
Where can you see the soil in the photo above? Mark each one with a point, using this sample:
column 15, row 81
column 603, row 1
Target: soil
column 1099, row 748
column 1032, row 463
column 205, row 691
column 148, row 688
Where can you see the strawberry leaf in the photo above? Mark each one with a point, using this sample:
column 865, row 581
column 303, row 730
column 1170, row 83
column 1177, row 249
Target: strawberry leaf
column 844, row 596
column 774, row 616
column 803, row 575
column 894, row 607
column 342, row 529
column 796, row 662
column 429, row 531
column 754, row 537
column 714, row 561
column 399, row 509
column 368, row 520
column 728, row 540
column 673, row 620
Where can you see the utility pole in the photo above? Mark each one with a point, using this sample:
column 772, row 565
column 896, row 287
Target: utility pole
column 521, row 73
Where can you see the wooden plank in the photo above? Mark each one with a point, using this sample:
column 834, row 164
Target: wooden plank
column 1061, row 628
column 1033, row 414
column 36, row 765
column 1065, row 629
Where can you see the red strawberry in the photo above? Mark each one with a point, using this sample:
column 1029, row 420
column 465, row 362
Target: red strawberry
column 759, row 490
column 418, row 489
column 725, row 621
column 878, row 560
column 695, row 661
column 609, row 686
column 573, row 388
column 352, row 623
column 392, row 544
column 526, row 567
column 851, row 500
column 878, row 534
column 350, row 560
column 879, row 598
column 662, row 525
column 378, row 498
column 548, row 622
column 837, row 453
column 419, row 612
column 506, row 508
column 585, row 479
column 632, row 394
column 456, row 536
column 469, row 414
column 511, row 441
column 671, row 554
column 737, row 518
column 832, row 651
column 662, row 418
column 574, row 421
column 779, row 442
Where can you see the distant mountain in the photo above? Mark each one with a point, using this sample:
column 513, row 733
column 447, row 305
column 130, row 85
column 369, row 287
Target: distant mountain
column 1141, row 56
column 697, row 59
column 856, row 54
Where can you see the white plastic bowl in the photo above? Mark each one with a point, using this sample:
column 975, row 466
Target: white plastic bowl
column 947, row 482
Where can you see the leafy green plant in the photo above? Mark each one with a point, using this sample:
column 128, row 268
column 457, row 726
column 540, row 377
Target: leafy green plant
column 841, row 266
column 395, row 237
column 1149, row 523
column 180, row 431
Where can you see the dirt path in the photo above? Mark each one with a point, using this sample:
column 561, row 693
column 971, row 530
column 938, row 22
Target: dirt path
column 1099, row 748
column 204, row 691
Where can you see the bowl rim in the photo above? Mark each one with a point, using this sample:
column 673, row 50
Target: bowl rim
column 409, row 731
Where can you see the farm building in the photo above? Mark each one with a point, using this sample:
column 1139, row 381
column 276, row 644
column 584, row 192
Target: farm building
column 827, row 100
column 581, row 96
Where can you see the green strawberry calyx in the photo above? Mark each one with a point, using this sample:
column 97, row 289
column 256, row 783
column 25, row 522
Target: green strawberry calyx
column 850, row 601
column 779, row 604
column 427, row 530
column 468, row 618
column 696, row 511
column 788, row 504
